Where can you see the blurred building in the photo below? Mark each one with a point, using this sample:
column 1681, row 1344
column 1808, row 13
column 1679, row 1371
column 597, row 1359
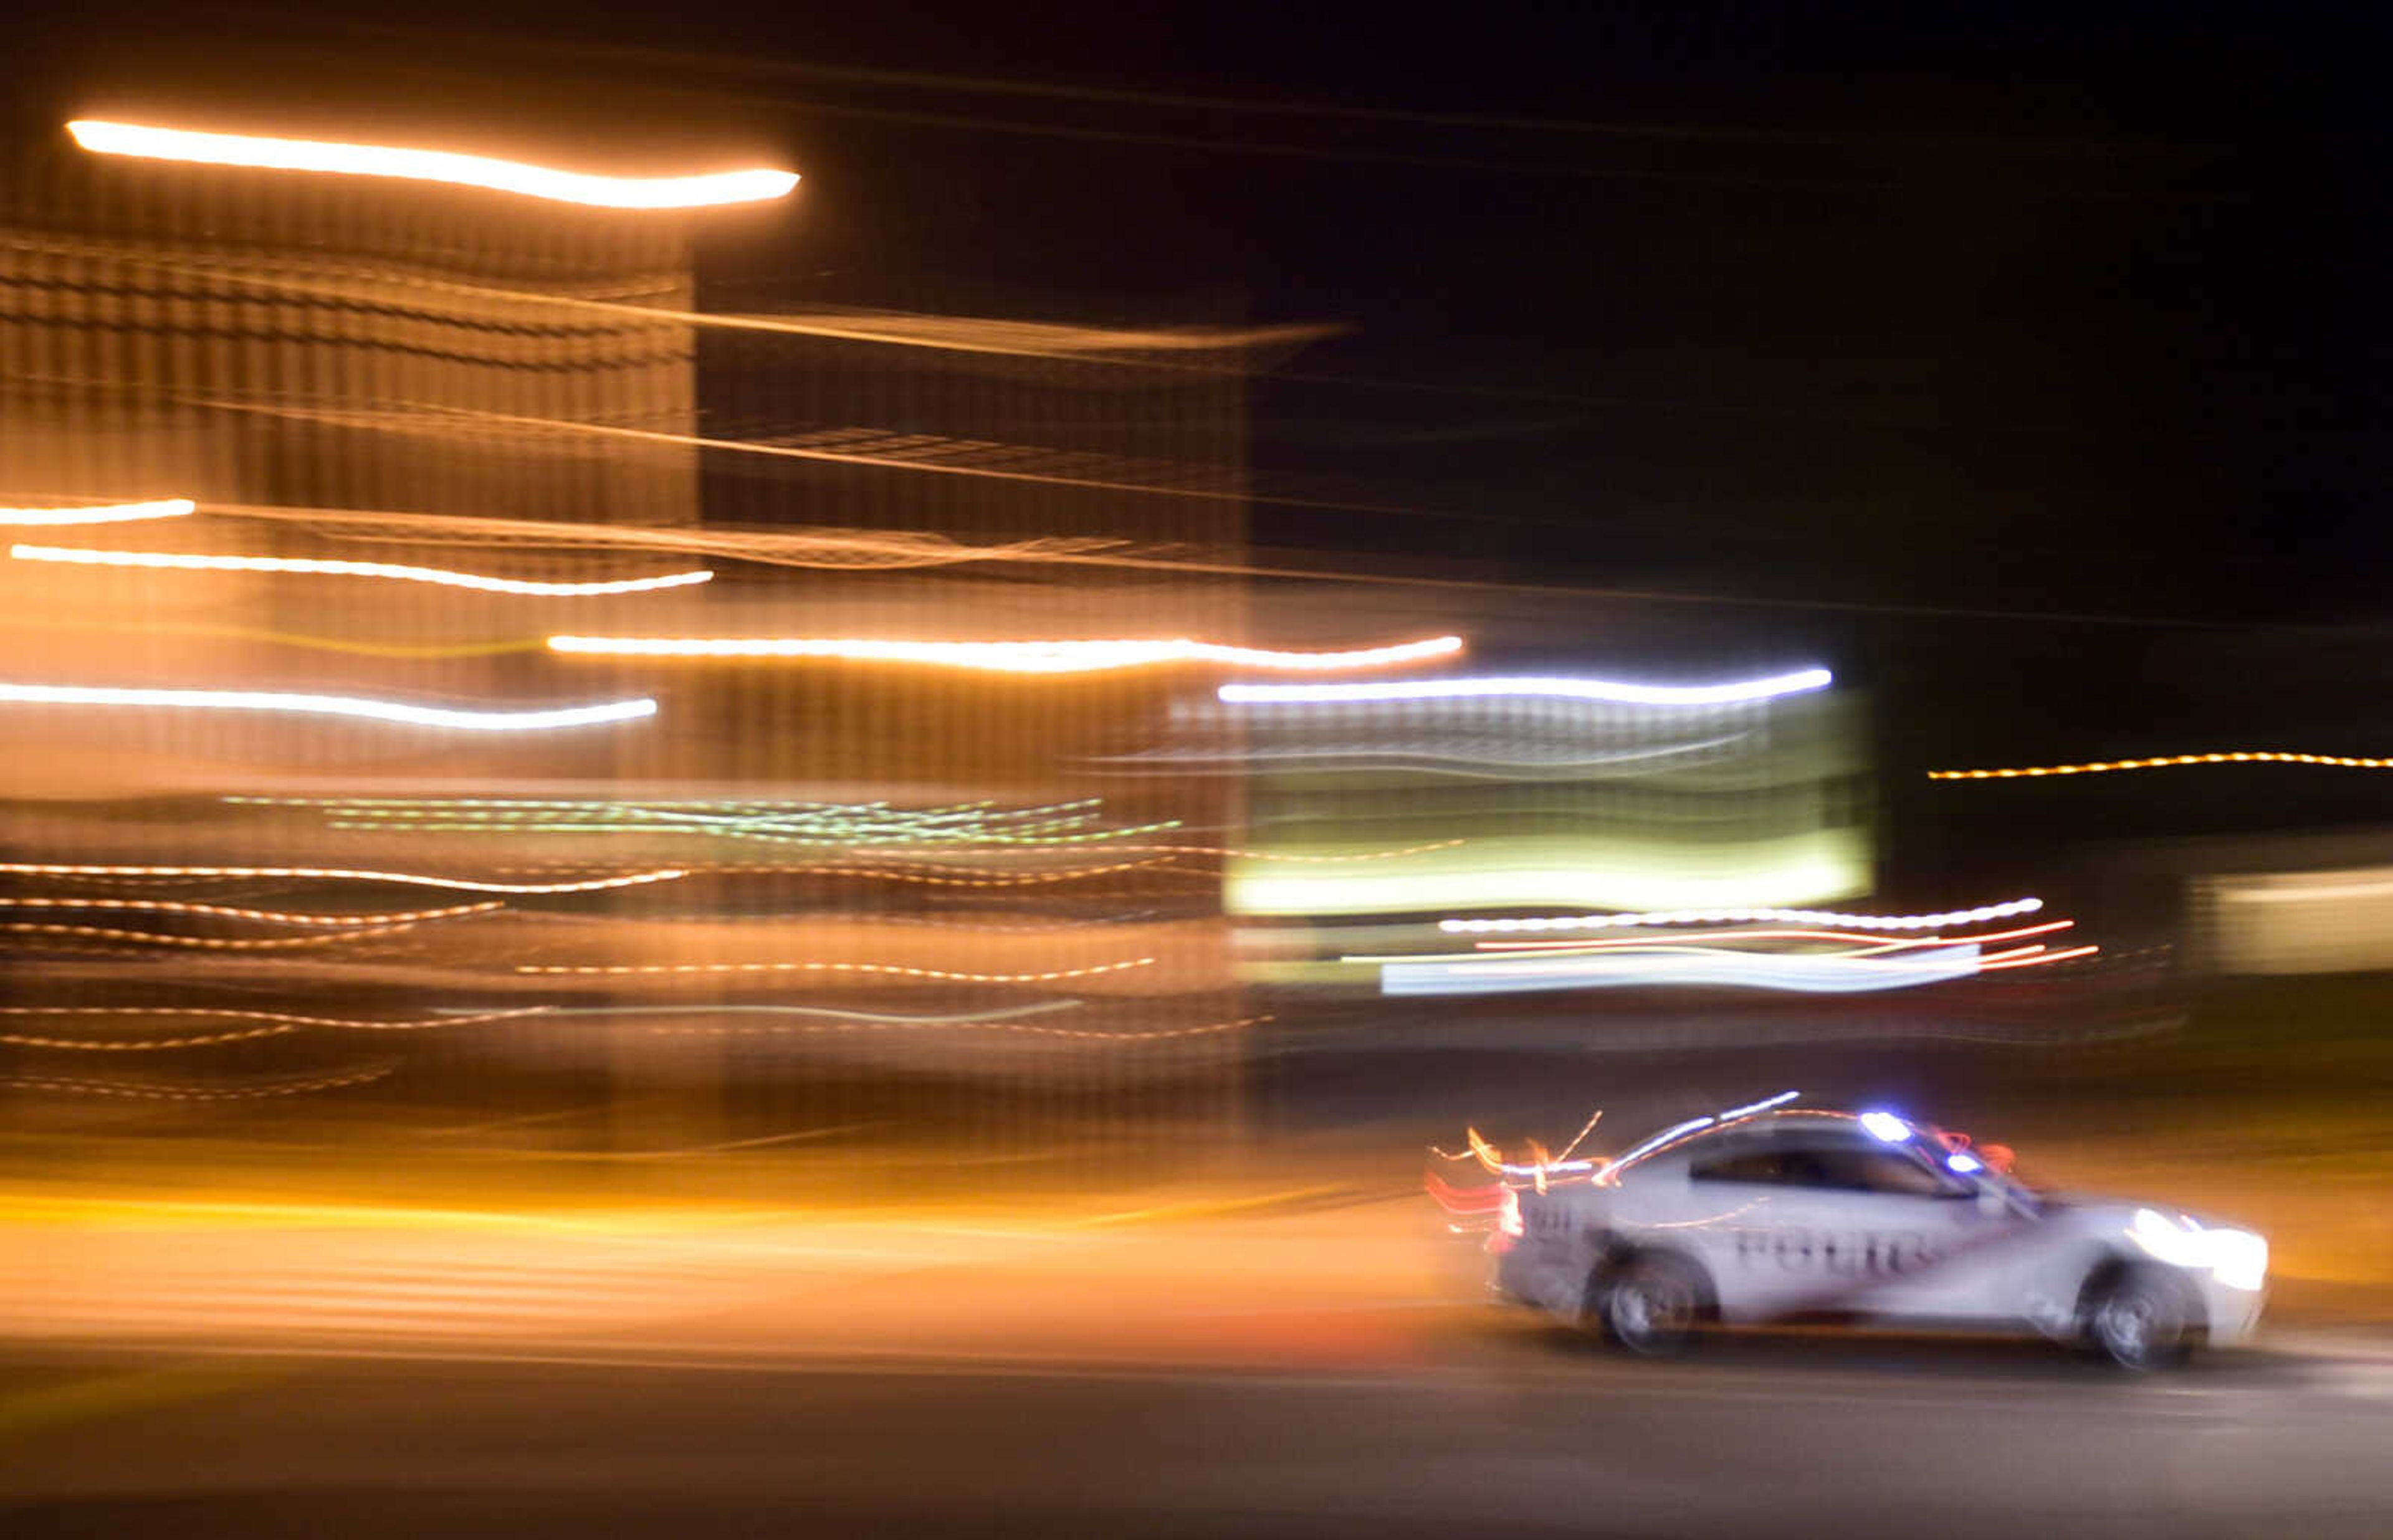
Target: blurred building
column 912, row 888
column 2265, row 903
column 1375, row 815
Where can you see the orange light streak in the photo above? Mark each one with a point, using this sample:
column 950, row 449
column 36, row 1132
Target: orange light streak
column 2103, row 767
column 1580, row 1138
column 2033, row 956
column 140, row 1045
column 146, row 142
column 279, row 1018
column 1092, row 656
column 191, row 1093
column 1210, row 1029
column 891, row 875
column 1313, row 860
column 196, row 942
column 263, row 917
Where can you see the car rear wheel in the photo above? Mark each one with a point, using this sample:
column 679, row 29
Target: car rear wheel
column 2141, row 1321
column 1652, row 1305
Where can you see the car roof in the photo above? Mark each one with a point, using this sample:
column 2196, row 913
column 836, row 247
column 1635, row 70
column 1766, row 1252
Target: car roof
column 1772, row 1125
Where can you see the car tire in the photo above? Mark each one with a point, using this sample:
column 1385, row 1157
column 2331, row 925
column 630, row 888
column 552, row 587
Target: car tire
column 2141, row 1321
column 1652, row 1303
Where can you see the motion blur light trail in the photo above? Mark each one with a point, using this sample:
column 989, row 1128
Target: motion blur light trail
column 967, row 459
column 113, row 512
column 1482, row 765
column 2030, row 956
column 1045, row 825
column 1040, row 657
column 181, row 561
column 1605, row 690
column 1868, row 961
column 1227, row 852
column 936, row 878
column 331, row 705
column 2104, row 767
column 412, row 652
column 944, row 334
column 430, row 165
column 594, row 885
column 1842, row 973
column 276, row 1024
column 1506, row 871
column 883, row 968
column 1878, row 943
column 968, row 1018
column 192, row 1092
column 867, row 1021
column 829, row 550
column 199, row 943
column 143, row 1045
column 1734, row 917
column 263, row 917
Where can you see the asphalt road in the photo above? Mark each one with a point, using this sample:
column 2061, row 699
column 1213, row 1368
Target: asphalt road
column 1508, row 1431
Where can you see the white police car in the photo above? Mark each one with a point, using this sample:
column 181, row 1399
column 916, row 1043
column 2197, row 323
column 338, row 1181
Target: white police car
column 1774, row 1214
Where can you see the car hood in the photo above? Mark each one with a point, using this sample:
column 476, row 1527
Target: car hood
column 2102, row 1210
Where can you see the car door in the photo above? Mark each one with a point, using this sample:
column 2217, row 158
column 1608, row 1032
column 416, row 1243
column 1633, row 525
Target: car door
column 1832, row 1224
column 1904, row 1239
column 1752, row 1213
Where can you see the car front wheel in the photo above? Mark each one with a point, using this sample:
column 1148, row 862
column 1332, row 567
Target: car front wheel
column 2141, row 1321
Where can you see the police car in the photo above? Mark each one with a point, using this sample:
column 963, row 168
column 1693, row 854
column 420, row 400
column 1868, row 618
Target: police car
column 1770, row 1213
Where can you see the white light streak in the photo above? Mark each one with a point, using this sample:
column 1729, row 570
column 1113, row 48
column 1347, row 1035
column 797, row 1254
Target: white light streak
column 1875, row 943
column 1886, row 1127
column 113, row 512
column 151, row 143
column 1649, row 1145
column 969, row 1018
column 1605, row 690
column 1024, row 657
column 331, row 705
column 192, row 562
column 1763, row 1105
column 1800, row 974
column 1754, row 916
column 343, row 874
column 884, row 970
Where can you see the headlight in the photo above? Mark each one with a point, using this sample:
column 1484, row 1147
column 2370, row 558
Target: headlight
column 2243, row 1259
column 2236, row 1258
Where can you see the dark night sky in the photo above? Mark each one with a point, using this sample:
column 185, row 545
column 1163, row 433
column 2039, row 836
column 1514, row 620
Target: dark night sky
column 2046, row 310
column 2027, row 310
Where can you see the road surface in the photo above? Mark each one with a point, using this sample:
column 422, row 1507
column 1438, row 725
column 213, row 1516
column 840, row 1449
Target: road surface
column 1508, row 1432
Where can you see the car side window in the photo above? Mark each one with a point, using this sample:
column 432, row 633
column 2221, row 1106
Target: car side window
column 1853, row 1168
column 1830, row 1166
column 1762, row 1165
column 1899, row 1172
